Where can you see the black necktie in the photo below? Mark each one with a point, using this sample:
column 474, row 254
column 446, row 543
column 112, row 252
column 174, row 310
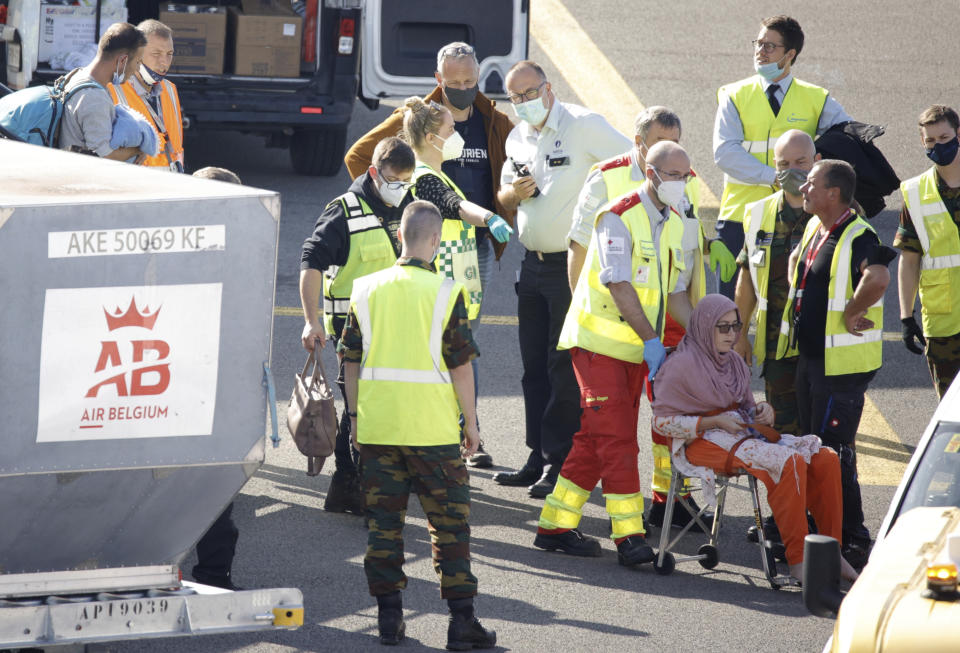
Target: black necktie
column 772, row 96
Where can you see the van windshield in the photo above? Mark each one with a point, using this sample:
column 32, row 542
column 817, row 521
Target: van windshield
column 936, row 481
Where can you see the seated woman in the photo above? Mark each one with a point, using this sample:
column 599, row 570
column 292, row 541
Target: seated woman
column 704, row 403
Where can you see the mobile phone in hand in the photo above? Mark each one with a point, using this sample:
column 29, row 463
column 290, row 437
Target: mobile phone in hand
column 523, row 171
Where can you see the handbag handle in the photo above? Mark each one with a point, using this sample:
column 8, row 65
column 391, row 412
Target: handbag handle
column 317, row 367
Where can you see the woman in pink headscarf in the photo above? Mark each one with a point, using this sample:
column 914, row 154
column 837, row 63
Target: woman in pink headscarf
column 704, row 403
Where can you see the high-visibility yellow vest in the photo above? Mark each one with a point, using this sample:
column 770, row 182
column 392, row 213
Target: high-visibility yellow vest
column 843, row 352
column 593, row 321
column 940, row 263
column 406, row 396
column 760, row 216
column 370, row 251
column 169, row 125
column 616, row 173
column 800, row 109
column 457, row 257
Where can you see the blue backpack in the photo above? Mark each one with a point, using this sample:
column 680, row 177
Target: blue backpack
column 33, row 114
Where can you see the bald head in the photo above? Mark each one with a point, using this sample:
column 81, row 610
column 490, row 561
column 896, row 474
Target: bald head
column 794, row 149
column 419, row 225
column 669, row 156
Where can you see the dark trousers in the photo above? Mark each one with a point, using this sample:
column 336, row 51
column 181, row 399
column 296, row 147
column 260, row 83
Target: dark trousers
column 551, row 396
column 343, row 454
column 731, row 233
column 216, row 548
column 830, row 407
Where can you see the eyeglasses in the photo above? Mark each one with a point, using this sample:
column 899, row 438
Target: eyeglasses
column 766, row 46
column 393, row 185
column 526, row 96
column 724, row 327
column 679, row 176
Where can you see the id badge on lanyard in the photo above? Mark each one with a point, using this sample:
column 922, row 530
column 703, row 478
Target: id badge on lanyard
column 809, row 260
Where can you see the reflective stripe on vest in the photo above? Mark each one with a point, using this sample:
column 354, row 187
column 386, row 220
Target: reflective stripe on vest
column 370, row 251
column 593, row 321
column 844, row 353
column 800, row 109
column 939, row 238
column 405, row 395
column 760, row 216
column 457, row 256
column 168, row 125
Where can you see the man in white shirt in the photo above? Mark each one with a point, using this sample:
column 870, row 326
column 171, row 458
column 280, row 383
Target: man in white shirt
column 548, row 156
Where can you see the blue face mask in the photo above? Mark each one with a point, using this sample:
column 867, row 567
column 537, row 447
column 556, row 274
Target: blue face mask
column 769, row 71
column 531, row 111
column 943, row 154
column 151, row 77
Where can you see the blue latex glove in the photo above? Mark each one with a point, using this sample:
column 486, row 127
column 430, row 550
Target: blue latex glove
column 722, row 262
column 499, row 228
column 653, row 355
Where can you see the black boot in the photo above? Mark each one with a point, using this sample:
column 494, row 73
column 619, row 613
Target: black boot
column 345, row 493
column 465, row 631
column 390, row 618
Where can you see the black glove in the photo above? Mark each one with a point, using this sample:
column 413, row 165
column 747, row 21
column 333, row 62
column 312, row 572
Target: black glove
column 910, row 331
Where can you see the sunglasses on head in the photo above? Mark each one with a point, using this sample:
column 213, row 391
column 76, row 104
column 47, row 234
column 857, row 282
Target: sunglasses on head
column 724, row 327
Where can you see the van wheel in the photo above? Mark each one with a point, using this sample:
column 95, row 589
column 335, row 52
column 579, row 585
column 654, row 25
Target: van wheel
column 318, row 152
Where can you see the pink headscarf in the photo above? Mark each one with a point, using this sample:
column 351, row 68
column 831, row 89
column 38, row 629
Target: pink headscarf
column 696, row 378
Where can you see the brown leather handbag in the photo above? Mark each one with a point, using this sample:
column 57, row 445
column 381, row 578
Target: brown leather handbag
column 311, row 415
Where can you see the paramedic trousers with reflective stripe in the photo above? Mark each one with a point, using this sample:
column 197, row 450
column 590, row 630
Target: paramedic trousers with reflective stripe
column 802, row 487
column 830, row 407
column 605, row 448
column 439, row 477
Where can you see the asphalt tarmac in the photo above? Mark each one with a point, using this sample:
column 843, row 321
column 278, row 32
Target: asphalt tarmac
column 885, row 62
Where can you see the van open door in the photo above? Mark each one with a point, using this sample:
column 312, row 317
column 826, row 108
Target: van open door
column 400, row 40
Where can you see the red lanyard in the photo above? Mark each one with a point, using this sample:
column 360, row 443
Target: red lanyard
column 812, row 256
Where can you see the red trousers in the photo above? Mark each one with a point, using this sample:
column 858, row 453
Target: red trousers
column 814, row 487
column 605, row 448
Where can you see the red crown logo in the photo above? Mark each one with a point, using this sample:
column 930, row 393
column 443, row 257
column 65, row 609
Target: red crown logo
column 133, row 317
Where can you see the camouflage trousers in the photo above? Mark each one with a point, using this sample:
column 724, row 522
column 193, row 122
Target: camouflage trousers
column 780, row 378
column 943, row 359
column 439, row 477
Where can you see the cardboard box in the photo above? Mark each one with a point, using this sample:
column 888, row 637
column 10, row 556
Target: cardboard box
column 69, row 28
column 266, row 39
column 199, row 39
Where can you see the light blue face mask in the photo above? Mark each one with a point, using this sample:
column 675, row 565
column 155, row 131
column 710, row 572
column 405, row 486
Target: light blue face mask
column 531, row 111
column 769, row 71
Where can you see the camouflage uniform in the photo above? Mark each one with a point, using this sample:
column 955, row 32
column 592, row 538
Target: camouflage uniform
column 780, row 375
column 436, row 473
column 943, row 354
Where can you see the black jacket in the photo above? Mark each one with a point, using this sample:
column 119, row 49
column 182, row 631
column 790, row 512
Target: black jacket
column 852, row 142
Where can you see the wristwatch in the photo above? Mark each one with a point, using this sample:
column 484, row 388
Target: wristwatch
column 486, row 219
column 350, row 414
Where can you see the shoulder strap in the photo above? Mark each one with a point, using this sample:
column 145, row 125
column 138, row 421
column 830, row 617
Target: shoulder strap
column 616, row 162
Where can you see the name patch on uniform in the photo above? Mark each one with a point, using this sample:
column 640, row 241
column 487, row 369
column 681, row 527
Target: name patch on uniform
column 643, row 274
column 558, row 161
column 615, row 245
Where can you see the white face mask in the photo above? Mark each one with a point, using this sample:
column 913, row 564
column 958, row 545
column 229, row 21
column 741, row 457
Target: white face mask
column 671, row 193
column 452, row 146
column 392, row 192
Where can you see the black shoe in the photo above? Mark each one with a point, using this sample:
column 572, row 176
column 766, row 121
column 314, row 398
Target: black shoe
column 770, row 531
column 635, row 551
column 520, row 478
column 345, row 493
column 465, row 632
column 681, row 517
column 216, row 580
column 544, row 486
column 572, row 542
column 856, row 554
column 481, row 459
column 390, row 618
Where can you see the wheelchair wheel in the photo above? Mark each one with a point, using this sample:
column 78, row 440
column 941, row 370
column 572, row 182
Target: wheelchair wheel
column 669, row 564
column 712, row 556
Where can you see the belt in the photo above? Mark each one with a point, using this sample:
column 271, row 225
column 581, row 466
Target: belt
column 548, row 256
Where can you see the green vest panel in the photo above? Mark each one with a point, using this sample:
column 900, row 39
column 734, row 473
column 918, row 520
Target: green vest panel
column 406, row 396
column 940, row 263
column 370, row 251
column 801, row 109
column 457, row 257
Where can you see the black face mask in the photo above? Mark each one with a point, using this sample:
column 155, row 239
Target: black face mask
column 943, row 154
column 461, row 98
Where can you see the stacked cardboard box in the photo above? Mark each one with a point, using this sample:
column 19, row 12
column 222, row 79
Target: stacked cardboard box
column 266, row 39
column 199, row 37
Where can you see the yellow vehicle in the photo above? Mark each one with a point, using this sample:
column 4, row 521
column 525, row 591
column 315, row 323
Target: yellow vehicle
column 906, row 599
